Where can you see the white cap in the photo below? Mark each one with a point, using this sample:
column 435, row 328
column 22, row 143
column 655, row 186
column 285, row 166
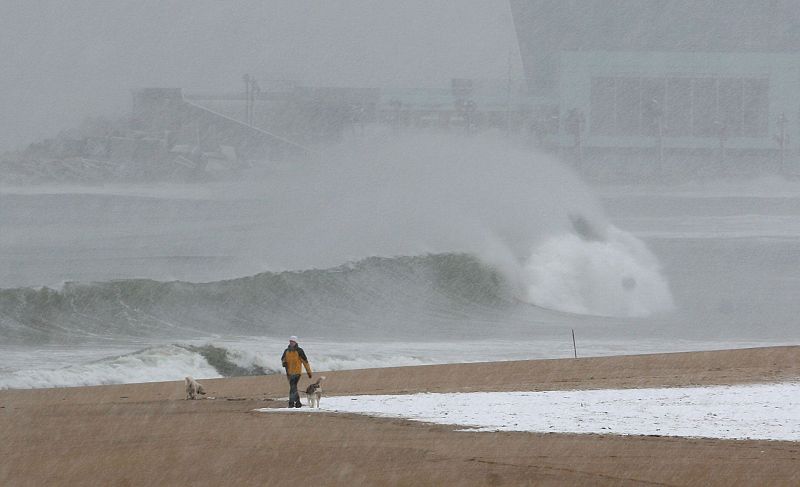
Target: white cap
column 293, row 338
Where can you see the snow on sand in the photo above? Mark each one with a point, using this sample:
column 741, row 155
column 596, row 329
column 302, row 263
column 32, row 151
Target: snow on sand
column 761, row 411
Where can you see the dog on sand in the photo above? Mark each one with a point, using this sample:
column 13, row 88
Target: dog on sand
column 193, row 388
column 314, row 393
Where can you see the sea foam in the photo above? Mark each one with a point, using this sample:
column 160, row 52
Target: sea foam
column 615, row 276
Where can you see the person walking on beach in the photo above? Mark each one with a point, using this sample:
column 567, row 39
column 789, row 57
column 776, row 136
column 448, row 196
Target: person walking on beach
column 293, row 360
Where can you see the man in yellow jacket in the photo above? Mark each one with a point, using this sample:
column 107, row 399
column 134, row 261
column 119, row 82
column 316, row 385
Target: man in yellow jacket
column 293, row 360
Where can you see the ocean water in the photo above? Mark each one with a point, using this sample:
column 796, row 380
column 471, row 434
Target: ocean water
column 383, row 255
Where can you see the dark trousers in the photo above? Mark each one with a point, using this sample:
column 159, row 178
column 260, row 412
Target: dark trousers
column 294, row 397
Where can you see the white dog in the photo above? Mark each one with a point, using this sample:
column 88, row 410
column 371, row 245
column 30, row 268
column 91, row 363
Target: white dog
column 193, row 388
column 314, row 393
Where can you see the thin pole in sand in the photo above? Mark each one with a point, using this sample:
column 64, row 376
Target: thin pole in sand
column 574, row 348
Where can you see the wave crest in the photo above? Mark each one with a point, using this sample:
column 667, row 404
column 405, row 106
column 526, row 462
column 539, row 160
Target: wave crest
column 612, row 276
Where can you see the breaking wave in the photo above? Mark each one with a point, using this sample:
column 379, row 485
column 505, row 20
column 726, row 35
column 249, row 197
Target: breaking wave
column 380, row 297
column 613, row 276
column 589, row 271
column 149, row 365
column 174, row 361
column 456, row 237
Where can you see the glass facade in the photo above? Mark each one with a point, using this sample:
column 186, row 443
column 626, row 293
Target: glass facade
column 696, row 106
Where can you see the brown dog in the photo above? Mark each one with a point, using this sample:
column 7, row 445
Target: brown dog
column 314, row 393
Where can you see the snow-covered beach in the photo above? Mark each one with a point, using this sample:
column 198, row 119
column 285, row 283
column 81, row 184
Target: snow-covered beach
column 752, row 411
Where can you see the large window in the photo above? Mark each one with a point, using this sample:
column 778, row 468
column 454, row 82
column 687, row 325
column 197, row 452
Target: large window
column 755, row 106
column 604, row 102
column 683, row 106
column 730, row 106
column 653, row 99
column 678, row 107
column 704, row 107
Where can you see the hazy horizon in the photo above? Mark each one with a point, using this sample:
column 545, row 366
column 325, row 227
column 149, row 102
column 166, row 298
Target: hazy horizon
column 68, row 61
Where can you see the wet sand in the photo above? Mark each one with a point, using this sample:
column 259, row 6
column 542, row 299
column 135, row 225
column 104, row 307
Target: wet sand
column 146, row 434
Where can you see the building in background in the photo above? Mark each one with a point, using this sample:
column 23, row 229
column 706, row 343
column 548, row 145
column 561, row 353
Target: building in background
column 665, row 86
column 622, row 88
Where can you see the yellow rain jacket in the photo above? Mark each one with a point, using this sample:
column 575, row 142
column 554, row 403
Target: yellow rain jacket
column 293, row 360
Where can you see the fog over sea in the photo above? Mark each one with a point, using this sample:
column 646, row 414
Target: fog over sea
column 385, row 252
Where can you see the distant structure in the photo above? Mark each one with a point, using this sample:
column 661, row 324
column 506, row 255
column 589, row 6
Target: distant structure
column 654, row 86
column 166, row 137
column 305, row 115
column 622, row 88
column 318, row 115
column 165, row 113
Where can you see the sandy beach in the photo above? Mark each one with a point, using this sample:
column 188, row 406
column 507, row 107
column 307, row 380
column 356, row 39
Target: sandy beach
column 147, row 434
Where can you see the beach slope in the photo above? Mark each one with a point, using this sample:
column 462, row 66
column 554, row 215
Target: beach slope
column 147, row 434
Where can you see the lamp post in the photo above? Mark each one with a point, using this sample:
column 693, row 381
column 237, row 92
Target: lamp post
column 246, row 79
column 722, row 133
column 469, row 115
column 576, row 122
column 655, row 116
column 783, row 140
column 251, row 90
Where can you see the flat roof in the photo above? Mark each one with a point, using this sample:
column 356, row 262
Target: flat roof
column 547, row 27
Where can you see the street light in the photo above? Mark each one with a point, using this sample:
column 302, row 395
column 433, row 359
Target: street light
column 783, row 140
column 251, row 90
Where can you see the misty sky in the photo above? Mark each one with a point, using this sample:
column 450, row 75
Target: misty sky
column 63, row 61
